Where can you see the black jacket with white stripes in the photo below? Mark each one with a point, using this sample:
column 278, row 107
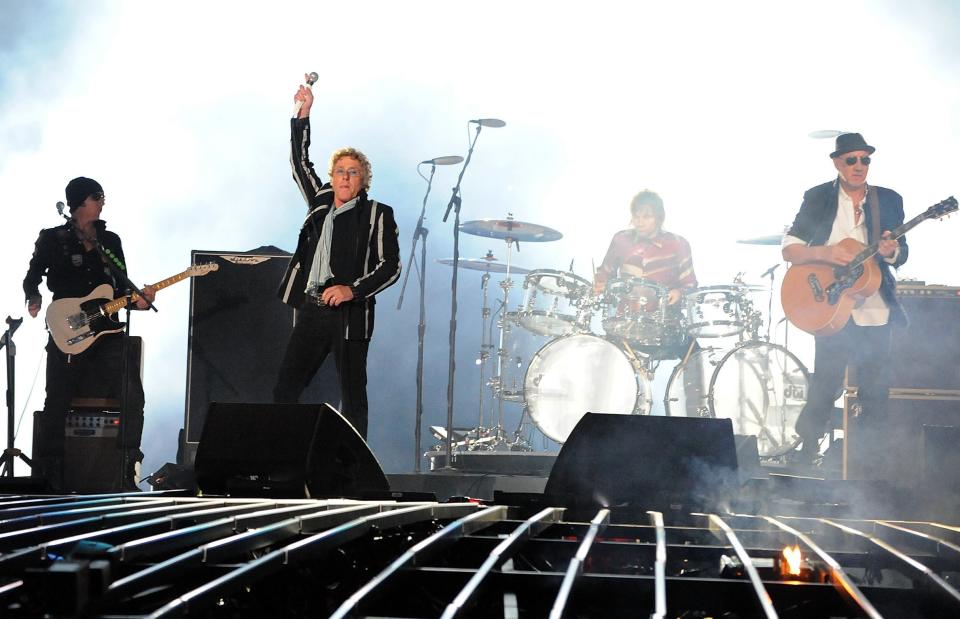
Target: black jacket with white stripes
column 364, row 252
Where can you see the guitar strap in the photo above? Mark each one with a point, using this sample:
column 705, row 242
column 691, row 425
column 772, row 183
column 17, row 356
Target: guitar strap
column 873, row 202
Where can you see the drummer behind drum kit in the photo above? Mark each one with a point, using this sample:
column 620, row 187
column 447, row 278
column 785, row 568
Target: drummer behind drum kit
column 759, row 385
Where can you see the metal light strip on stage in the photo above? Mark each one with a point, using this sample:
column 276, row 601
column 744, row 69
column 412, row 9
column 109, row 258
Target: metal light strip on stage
column 919, row 568
column 35, row 517
column 454, row 531
column 266, row 514
column 575, row 567
column 312, row 547
column 55, row 535
column 236, row 544
column 934, row 543
column 840, row 579
column 660, row 567
column 763, row 596
column 529, row 528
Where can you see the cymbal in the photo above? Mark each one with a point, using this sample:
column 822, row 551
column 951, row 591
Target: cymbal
column 510, row 229
column 484, row 264
column 771, row 239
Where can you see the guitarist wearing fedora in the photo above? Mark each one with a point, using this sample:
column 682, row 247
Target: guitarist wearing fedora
column 73, row 267
column 846, row 208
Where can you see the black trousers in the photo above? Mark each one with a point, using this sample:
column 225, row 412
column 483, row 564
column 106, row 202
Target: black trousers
column 867, row 351
column 94, row 373
column 319, row 332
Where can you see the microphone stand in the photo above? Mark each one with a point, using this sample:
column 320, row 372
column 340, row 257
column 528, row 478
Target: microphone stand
column 455, row 203
column 418, row 233
column 11, row 452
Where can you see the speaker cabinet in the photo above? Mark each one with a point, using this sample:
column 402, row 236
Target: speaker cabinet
column 284, row 450
column 238, row 334
column 926, row 351
column 645, row 461
column 897, row 451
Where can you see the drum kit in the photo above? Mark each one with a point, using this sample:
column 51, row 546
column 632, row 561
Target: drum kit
column 729, row 370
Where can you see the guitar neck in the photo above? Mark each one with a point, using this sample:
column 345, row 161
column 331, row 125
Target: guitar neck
column 869, row 251
column 116, row 305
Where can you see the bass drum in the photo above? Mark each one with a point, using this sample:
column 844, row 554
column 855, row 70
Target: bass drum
column 582, row 373
column 760, row 386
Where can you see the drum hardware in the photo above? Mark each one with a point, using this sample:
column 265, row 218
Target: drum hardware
column 511, row 232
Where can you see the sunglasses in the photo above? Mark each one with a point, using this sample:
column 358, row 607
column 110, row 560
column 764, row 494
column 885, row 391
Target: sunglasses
column 98, row 195
column 853, row 160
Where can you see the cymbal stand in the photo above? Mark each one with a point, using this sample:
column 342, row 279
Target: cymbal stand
column 506, row 284
column 485, row 347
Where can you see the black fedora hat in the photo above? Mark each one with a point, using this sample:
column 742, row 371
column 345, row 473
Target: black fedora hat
column 849, row 142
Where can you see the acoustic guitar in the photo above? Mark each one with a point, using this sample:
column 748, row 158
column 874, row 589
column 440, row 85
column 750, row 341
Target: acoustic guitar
column 818, row 297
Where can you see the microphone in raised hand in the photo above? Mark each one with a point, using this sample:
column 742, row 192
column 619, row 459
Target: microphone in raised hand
column 310, row 79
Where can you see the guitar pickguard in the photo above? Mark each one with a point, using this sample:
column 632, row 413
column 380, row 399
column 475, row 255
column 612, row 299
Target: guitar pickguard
column 845, row 279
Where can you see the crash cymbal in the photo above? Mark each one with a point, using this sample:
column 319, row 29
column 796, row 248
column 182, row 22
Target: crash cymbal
column 484, row 264
column 510, row 229
column 772, row 239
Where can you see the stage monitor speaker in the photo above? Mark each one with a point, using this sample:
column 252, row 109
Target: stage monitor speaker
column 650, row 462
column 238, row 333
column 284, row 450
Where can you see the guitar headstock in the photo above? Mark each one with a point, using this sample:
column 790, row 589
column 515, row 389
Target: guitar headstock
column 941, row 209
column 199, row 270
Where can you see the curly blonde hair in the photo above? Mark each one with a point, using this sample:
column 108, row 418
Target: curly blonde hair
column 340, row 153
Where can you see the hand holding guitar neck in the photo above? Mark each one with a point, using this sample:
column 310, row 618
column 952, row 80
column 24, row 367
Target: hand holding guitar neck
column 303, row 100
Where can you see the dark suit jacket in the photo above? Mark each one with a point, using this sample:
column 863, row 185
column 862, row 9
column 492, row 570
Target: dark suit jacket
column 815, row 220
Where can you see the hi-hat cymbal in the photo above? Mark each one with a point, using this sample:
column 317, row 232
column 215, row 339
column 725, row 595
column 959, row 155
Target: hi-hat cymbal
column 484, row 264
column 510, row 229
column 770, row 239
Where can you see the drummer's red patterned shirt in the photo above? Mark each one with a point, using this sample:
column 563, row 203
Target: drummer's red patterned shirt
column 665, row 259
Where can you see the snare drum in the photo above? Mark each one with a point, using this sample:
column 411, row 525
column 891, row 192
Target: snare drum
column 637, row 310
column 718, row 311
column 553, row 303
column 582, row 373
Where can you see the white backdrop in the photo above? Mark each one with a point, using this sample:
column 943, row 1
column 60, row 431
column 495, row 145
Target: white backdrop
column 180, row 110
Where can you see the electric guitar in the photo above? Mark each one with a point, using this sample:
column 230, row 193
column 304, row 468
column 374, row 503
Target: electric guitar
column 818, row 297
column 76, row 323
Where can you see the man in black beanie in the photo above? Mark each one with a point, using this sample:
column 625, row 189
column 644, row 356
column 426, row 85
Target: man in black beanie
column 69, row 258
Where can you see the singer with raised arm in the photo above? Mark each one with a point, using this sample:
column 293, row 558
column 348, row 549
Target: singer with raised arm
column 73, row 265
column 831, row 214
column 347, row 253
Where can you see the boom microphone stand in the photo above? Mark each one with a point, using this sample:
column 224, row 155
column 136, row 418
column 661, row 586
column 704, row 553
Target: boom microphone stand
column 455, row 204
column 418, row 233
column 11, row 452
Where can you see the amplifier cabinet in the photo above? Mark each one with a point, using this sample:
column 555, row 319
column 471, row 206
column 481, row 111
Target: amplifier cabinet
column 238, row 333
column 900, row 454
column 927, row 350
